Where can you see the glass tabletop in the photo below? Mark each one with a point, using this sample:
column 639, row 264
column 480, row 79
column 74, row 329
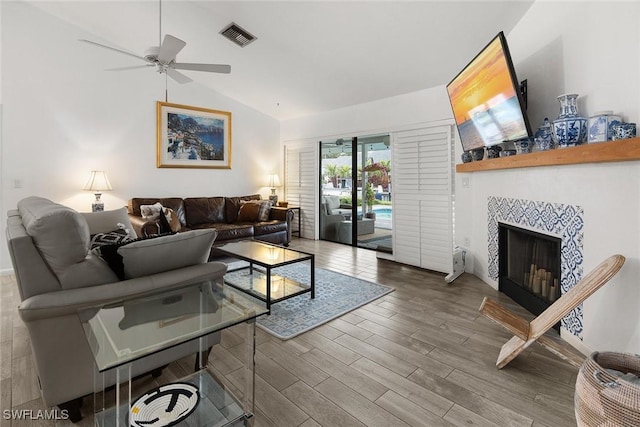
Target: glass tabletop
column 134, row 328
column 263, row 253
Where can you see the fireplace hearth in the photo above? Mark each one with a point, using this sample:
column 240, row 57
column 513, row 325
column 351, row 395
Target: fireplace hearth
column 529, row 267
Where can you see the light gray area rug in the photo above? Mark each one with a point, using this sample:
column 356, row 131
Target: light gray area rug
column 336, row 294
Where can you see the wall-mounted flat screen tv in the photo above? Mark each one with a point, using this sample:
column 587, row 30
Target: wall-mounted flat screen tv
column 486, row 100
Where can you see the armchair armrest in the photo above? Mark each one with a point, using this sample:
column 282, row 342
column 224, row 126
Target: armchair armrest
column 143, row 227
column 69, row 301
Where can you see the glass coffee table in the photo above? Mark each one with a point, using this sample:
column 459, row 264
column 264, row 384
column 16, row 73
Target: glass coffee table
column 126, row 332
column 262, row 283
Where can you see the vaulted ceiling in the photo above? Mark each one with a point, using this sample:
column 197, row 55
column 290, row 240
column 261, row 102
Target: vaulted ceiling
column 309, row 56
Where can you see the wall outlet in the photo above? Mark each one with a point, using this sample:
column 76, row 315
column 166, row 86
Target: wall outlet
column 465, row 182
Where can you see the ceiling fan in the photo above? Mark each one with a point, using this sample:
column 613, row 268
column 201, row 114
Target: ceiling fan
column 163, row 57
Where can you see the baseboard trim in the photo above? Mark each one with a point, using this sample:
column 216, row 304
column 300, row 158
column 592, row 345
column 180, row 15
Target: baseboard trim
column 6, row 271
column 575, row 342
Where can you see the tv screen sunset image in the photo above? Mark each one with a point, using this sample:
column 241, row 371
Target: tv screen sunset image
column 484, row 100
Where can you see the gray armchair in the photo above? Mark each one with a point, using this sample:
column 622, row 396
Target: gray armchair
column 57, row 275
column 329, row 223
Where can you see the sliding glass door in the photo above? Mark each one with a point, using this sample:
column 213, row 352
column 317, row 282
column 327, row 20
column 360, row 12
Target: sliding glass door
column 336, row 189
column 355, row 184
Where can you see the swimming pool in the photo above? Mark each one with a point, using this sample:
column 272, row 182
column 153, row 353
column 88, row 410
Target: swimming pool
column 383, row 213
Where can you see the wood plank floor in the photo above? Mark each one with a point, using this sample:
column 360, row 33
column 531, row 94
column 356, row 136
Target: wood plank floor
column 419, row 356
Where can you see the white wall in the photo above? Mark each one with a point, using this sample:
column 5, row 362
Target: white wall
column 63, row 116
column 589, row 48
column 385, row 115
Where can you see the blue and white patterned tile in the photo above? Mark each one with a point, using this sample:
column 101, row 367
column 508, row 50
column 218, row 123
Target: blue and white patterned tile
column 566, row 221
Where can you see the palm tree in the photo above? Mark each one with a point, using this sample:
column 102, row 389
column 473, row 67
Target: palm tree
column 331, row 171
column 344, row 171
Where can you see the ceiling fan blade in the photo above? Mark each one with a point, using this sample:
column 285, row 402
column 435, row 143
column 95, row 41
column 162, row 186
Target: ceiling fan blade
column 170, row 48
column 177, row 76
column 129, row 68
column 211, row 68
column 113, row 48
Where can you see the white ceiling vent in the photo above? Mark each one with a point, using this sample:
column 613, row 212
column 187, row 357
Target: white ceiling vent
column 238, row 35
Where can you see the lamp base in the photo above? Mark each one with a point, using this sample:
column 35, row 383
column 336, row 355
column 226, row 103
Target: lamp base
column 97, row 207
column 273, row 198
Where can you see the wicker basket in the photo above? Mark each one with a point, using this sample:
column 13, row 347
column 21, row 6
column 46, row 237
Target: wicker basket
column 603, row 399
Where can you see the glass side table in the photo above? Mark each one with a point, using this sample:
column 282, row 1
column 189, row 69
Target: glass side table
column 128, row 332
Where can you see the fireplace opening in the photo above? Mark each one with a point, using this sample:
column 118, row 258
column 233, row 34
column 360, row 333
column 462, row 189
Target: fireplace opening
column 529, row 267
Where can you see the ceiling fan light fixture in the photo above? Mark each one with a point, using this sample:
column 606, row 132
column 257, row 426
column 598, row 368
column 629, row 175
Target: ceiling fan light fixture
column 237, row 34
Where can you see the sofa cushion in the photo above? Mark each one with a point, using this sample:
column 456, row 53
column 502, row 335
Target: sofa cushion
column 163, row 253
column 268, row 227
column 333, row 202
column 106, row 221
column 231, row 208
column 203, row 210
column 230, row 231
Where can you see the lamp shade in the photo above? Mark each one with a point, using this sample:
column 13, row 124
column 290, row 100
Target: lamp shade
column 273, row 180
column 98, row 181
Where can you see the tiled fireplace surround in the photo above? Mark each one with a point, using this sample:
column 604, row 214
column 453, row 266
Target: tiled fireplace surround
column 563, row 221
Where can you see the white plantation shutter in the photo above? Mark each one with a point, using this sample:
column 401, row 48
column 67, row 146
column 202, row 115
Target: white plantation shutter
column 300, row 162
column 422, row 197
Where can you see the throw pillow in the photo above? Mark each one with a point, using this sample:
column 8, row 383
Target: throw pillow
column 263, row 208
column 248, row 212
column 163, row 253
column 151, row 212
column 112, row 237
column 163, row 224
column 110, row 254
column 172, row 219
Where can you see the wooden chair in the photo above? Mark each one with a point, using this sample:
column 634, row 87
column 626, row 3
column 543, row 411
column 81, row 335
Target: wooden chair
column 528, row 332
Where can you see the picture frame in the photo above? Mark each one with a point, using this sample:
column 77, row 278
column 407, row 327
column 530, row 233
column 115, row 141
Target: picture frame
column 192, row 137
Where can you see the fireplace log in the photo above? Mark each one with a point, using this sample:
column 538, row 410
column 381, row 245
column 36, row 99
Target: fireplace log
column 537, row 285
column 552, row 293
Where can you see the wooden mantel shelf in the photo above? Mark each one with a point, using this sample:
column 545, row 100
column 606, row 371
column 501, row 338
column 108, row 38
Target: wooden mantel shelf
column 611, row 151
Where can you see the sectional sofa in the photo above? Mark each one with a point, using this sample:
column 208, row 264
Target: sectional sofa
column 234, row 218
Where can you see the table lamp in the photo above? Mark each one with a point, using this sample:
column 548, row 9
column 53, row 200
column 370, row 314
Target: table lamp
column 274, row 181
column 98, row 182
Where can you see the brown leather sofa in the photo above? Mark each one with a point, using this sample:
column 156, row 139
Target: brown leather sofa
column 220, row 213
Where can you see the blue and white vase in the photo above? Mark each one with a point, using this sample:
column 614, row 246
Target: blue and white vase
column 569, row 129
column 601, row 126
column 543, row 139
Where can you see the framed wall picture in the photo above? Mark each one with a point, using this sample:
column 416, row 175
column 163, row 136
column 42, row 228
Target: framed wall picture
column 193, row 137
